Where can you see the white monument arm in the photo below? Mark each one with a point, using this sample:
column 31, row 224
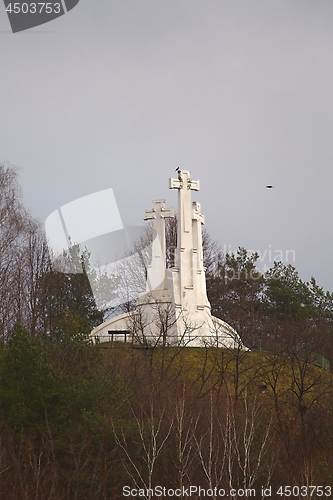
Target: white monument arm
column 149, row 214
column 193, row 185
column 167, row 213
column 175, row 184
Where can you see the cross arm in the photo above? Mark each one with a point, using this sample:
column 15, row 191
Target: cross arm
column 196, row 212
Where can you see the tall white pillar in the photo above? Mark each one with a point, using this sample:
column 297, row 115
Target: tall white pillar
column 156, row 270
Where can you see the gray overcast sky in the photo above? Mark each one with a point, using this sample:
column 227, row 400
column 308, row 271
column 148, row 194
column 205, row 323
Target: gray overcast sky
column 120, row 93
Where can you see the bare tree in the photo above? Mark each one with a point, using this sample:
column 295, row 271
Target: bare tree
column 184, row 431
column 211, row 446
column 16, row 227
column 252, row 443
column 151, row 437
column 234, row 444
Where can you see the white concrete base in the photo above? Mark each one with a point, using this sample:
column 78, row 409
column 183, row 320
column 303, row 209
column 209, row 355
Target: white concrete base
column 222, row 335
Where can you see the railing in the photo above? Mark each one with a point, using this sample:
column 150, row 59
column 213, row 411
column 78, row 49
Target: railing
column 116, row 338
column 315, row 358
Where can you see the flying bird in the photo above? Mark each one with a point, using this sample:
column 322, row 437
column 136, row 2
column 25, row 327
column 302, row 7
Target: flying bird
column 269, row 186
column 177, row 169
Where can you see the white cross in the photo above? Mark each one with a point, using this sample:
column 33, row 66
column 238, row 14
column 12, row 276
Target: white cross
column 184, row 181
column 156, row 271
column 158, row 211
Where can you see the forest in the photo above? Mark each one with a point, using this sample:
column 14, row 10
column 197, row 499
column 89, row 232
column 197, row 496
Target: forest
column 80, row 420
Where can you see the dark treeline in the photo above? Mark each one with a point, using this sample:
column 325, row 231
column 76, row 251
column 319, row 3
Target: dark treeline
column 275, row 311
column 80, row 421
column 32, row 294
